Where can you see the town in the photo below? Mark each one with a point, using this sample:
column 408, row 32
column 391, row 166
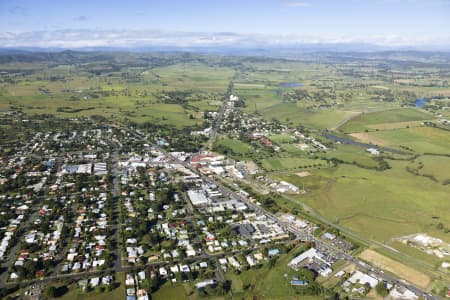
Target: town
column 98, row 206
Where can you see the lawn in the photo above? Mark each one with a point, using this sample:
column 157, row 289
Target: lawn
column 169, row 291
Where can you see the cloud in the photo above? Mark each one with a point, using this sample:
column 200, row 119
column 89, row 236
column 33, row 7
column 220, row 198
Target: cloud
column 157, row 38
column 18, row 11
column 80, row 18
column 298, row 4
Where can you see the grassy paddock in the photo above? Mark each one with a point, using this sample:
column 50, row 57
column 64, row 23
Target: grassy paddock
column 368, row 121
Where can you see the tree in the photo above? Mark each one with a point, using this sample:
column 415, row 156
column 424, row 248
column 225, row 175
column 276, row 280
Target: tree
column 381, row 289
column 50, row 291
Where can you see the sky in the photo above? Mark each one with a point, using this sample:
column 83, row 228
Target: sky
column 84, row 23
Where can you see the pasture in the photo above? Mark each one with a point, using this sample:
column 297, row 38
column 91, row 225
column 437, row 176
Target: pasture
column 235, row 146
column 294, row 114
column 421, row 139
column 67, row 91
column 352, row 154
column 387, row 119
column 290, row 163
column 377, row 204
column 436, row 167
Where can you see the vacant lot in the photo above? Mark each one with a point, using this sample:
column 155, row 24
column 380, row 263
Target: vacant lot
column 397, row 268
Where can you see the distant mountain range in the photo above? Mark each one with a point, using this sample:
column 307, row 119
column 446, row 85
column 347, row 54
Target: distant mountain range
column 240, row 50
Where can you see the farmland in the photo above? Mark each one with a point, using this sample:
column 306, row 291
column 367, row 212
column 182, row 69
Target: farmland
column 278, row 164
column 141, row 94
column 381, row 119
column 277, row 115
column 421, row 140
column 380, row 205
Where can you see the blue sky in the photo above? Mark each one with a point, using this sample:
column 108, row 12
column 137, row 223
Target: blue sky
column 375, row 21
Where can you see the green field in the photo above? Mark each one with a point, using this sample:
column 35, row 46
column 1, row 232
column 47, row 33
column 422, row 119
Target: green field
column 282, row 138
column 185, row 291
column 421, row 139
column 352, row 154
column 345, row 94
column 295, row 114
column 235, row 146
column 267, row 283
column 121, row 97
column 436, row 166
column 362, row 122
column 379, row 205
column 289, row 163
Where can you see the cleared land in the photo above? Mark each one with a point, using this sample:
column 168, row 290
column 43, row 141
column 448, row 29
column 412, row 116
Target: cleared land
column 289, row 163
column 432, row 166
column 386, row 119
column 235, row 146
column 375, row 204
column 353, row 154
column 137, row 95
column 368, row 138
column 395, row 267
column 421, row 139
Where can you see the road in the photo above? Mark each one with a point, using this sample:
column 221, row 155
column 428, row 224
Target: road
column 216, row 125
column 361, row 265
column 13, row 251
column 116, row 197
column 99, row 272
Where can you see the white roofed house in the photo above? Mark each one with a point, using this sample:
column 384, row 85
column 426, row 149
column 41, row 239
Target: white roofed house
column 373, row 151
